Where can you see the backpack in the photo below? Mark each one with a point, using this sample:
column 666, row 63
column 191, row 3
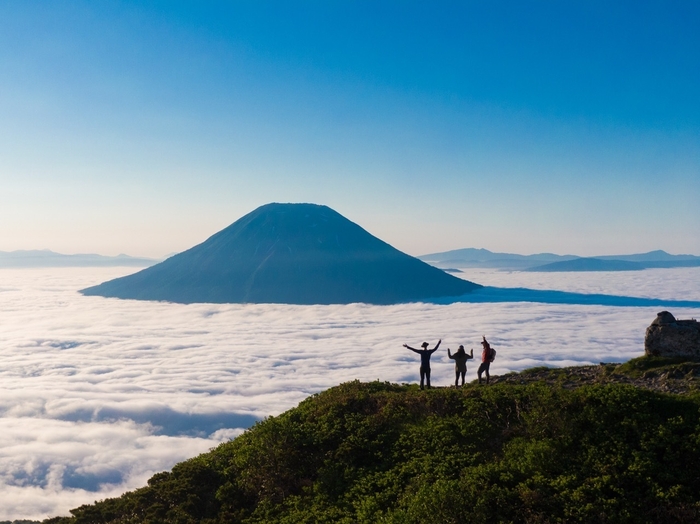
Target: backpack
column 492, row 355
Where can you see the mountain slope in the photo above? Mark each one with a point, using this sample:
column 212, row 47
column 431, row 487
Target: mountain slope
column 523, row 450
column 293, row 254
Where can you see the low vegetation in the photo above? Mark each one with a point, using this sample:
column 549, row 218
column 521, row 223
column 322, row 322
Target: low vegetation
column 542, row 446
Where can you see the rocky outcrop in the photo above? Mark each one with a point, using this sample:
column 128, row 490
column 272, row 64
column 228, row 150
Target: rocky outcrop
column 668, row 337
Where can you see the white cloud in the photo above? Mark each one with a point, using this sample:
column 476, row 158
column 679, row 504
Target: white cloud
column 98, row 394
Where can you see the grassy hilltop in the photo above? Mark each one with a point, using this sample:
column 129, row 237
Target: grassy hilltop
column 592, row 444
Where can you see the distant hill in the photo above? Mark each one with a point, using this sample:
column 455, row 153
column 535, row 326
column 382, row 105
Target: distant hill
column 657, row 259
column 589, row 264
column 291, row 254
column 657, row 256
column 608, row 443
column 483, row 258
column 45, row 258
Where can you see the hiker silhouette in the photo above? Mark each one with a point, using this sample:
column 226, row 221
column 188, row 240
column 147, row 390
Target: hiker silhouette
column 487, row 356
column 460, row 357
column 425, row 354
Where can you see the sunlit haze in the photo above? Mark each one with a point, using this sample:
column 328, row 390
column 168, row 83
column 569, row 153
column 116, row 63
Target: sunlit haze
column 145, row 127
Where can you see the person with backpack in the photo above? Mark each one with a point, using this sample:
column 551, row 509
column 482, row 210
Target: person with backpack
column 460, row 358
column 425, row 354
column 488, row 355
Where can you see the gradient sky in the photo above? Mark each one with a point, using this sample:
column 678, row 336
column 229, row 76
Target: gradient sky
column 145, row 127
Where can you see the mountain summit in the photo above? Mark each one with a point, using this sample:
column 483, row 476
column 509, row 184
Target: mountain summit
column 290, row 254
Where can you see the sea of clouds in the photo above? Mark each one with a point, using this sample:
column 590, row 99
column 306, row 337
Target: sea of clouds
column 98, row 394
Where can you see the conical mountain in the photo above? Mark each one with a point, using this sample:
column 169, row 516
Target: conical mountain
column 290, row 254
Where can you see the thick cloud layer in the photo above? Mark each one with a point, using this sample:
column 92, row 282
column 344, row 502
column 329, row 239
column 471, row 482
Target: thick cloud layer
column 98, row 394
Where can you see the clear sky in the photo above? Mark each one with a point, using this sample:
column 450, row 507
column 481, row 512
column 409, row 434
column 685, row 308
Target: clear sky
column 145, row 127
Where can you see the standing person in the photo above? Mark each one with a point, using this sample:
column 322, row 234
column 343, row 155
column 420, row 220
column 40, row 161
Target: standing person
column 424, row 360
column 460, row 358
column 487, row 356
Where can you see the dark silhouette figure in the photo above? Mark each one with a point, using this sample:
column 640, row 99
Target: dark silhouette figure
column 424, row 360
column 460, row 357
column 487, row 356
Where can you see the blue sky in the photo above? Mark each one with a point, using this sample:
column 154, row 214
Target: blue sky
column 145, row 127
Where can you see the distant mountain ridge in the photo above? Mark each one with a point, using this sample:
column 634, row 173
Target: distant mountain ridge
column 483, row 258
column 549, row 262
column 589, row 264
column 289, row 254
column 652, row 256
column 38, row 258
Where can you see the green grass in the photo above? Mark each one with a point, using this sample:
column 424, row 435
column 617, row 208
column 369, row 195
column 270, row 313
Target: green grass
column 654, row 366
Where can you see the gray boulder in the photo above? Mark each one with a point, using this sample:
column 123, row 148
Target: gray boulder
column 669, row 337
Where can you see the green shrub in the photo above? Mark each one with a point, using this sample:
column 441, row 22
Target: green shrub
column 379, row 452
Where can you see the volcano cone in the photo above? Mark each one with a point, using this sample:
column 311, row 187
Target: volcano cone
column 289, row 254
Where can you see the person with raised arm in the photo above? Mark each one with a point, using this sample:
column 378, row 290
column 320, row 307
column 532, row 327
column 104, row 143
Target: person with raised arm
column 487, row 356
column 460, row 357
column 425, row 354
